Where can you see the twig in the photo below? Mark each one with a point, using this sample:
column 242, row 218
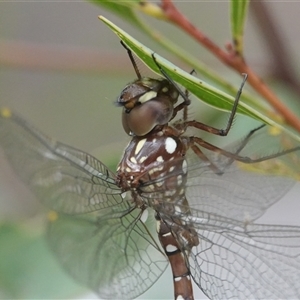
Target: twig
column 231, row 59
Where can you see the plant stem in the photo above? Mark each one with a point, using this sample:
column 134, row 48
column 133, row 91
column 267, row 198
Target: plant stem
column 231, row 59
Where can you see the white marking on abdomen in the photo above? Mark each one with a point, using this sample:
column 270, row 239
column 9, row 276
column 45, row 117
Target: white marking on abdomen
column 171, row 248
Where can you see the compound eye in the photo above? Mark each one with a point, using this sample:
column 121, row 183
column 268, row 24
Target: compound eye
column 143, row 118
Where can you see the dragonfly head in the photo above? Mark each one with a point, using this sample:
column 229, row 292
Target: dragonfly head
column 147, row 103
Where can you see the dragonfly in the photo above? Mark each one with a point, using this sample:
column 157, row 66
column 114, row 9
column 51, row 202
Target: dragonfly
column 175, row 199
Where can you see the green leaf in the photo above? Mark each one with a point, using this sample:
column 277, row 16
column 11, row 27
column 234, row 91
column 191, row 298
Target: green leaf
column 199, row 88
column 239, row 10
column 124, row 9
column 202, row 90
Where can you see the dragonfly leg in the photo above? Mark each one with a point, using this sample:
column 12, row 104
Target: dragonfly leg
column 204, row 158
column 236, row 156
column 129, row 52
column 244, row 143
column 186, row 101
column 184, row 105
column 216, row 131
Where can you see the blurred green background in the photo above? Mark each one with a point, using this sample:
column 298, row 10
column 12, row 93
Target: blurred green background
column 62, row 69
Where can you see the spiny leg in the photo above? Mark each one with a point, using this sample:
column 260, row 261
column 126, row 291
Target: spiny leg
column 186, row 101
column 136, row 69
column 212, row 166
column 185, row 109
column 244, row 143
column 234, row 156
column 216, row 131
column 204, row 158
column 182, row 106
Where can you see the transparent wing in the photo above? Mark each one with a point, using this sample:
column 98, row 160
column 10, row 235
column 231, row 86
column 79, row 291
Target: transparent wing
column 98, row 237
column 234, row 260
column 238, row 194
column 243, row 191
column 63, row 178
column 114, row 256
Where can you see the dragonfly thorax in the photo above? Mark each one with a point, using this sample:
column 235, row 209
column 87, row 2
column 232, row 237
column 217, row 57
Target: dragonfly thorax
column 147, row 103
column 155, row 164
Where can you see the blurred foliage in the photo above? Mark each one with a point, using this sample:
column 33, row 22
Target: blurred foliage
column 27, row 268
column 239, row 11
